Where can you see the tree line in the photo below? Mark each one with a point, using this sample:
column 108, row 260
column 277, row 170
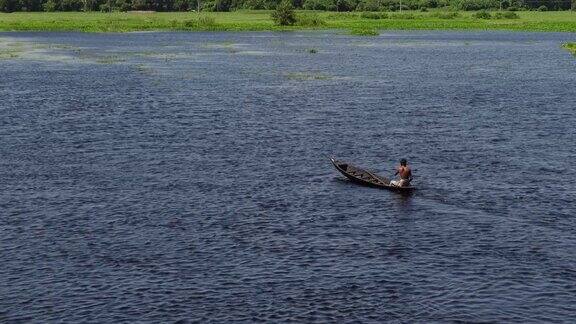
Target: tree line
column 231, row 5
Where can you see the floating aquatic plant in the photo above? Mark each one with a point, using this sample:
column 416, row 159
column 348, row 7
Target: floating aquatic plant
column 364, row 32
column 9, row 54
column 109, row 59
column 10, row 50
column 571, row 47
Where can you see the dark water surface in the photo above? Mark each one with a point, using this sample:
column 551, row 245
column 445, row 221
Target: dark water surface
column 183, row 176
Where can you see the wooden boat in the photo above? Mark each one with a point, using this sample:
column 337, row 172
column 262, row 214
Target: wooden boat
column 367, row 178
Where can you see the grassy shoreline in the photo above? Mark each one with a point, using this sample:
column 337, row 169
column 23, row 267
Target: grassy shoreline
column 560, row 21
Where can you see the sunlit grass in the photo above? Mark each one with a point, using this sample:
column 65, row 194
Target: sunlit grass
column 564, row 21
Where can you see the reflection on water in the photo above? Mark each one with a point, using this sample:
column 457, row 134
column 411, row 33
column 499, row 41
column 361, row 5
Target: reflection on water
column 173, row 176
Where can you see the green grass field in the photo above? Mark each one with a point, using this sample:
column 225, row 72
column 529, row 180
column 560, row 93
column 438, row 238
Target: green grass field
column 564, row 21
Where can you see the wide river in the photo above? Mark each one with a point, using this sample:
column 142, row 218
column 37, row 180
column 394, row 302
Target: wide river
column 163, row 177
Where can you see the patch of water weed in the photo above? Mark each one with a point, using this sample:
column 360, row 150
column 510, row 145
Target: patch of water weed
column 307, row 76
column 164, row 56
column 224, row 45
column 312, row 51
column 62, row 47
column 364, row 32
column 571, row 47
column 8, row 54
column 10, row 50
column 112, row 59
column 144, row 69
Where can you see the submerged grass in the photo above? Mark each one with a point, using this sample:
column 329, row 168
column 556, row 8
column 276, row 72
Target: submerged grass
column 356, row 22
column 9, row 54
column 112, row 59
column 307, row 76
column 10, row 50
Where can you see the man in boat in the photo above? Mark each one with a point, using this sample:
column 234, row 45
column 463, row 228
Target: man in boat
column 405, row 175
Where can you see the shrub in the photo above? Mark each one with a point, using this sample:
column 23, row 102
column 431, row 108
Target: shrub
column 542, row 8
column 284, row 14
column 482, row 14
column 513, row 8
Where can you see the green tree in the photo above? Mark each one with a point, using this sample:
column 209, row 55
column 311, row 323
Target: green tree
column 139, row 4
column 49, row 6
column 8, row 5
column 222, row 5
column 71, row 5
column 284, row 14
column 319, row 5
column 183, row 5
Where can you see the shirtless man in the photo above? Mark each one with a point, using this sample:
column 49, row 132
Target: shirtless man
column 405, row 175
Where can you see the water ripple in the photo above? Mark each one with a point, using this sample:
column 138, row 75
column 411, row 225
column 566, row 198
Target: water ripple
column 182, row 177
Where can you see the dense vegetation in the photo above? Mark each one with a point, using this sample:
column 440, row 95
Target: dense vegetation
column 325, row 5
column 361, row 23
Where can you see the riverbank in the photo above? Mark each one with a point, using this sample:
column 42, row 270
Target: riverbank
column 358, row 23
